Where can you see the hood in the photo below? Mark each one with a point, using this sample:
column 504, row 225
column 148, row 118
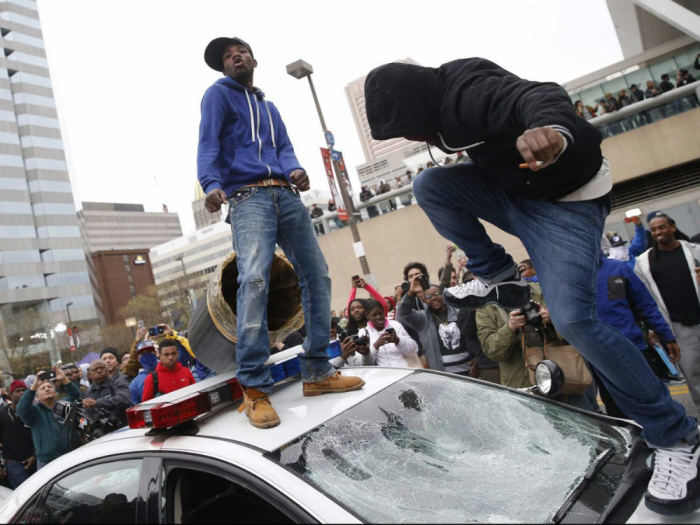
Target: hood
column 403, row 100
column 229, row 82
column 161, row 368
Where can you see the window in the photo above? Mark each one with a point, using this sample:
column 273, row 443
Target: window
column 197, row 496
column 106, row 493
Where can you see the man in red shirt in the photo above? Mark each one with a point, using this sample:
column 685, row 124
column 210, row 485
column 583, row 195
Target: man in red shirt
column 171, row 374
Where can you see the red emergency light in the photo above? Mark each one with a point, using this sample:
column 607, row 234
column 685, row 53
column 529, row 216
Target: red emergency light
column 170, row 413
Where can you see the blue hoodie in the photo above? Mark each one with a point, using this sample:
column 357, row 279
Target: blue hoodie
column 623, row 300
column 242, row 139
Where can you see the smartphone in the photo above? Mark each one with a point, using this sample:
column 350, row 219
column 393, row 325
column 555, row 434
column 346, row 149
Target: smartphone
column 634, row 212
column 140, row 324
column 355, row 277
column 156, row 330
column 45, row 376
column 390, row 331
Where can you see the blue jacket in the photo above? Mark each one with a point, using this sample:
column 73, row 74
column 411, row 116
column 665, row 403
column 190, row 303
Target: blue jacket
column 136, row 386
column 638, row 244
column 623, row 299
column 242, row 139
column 51, row 439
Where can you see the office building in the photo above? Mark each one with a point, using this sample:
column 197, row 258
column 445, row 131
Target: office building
column 120, row 226
column 43, row 270
column 202, row 218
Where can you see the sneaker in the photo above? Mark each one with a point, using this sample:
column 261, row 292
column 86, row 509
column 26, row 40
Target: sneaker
column 476, row 293
column 335, row 384
column 674, row 488
column 258, row 408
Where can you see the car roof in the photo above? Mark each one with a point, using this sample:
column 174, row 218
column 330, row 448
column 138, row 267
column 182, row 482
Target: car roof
column 298, row 414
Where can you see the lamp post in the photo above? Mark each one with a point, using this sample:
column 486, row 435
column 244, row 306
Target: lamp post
column 299, row 70
column 131, row 323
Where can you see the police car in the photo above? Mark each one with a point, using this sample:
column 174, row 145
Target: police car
column 411, row 446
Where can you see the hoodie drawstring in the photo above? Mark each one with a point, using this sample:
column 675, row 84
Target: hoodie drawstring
column 252, row 122
column 272, row 126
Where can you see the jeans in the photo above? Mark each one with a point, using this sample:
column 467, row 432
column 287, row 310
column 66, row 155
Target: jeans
column 16, row 473
column 260, row 218
column 563, row 241
column 688, row 339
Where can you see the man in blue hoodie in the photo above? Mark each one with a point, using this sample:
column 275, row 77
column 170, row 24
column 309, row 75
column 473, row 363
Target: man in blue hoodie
column 245, row 157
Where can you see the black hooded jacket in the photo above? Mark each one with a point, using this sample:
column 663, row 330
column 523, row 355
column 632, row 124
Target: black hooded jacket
column 474, row 105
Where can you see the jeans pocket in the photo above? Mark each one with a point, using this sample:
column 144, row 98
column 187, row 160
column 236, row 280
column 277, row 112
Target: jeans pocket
column 241, row 195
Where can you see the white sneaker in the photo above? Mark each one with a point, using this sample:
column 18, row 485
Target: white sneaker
column 476, row 293
column 674, row 487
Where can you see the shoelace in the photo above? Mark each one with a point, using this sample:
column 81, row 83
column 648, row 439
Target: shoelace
column 473, row 287
column 672, row 470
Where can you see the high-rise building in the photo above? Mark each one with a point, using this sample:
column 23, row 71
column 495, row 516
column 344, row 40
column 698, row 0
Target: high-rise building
column 120, row 226
column 373, row 149
column 43, row 270
column 202, row 218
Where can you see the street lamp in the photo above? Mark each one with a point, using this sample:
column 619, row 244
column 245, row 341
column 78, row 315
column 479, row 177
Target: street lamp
column 70, row 325
column 299, row 70
column 131, row 323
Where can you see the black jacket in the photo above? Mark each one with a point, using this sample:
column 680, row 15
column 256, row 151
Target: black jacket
column 15, row 436
column 473, row 104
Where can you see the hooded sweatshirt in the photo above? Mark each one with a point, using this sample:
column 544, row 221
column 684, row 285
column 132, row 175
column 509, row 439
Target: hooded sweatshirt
column 242, row 139
column 474, row 105
column 168, row 380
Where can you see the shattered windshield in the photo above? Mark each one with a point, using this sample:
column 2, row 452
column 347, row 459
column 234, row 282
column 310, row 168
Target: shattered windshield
column 432, row 448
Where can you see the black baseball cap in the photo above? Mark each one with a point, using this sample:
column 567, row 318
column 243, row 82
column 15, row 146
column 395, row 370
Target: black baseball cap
column 213, row 54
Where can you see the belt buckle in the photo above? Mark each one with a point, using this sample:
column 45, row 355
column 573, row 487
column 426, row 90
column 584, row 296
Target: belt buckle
column 268, row 182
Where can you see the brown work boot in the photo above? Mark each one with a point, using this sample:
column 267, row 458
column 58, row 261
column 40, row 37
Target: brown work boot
column 335, row 384
column 258, row 408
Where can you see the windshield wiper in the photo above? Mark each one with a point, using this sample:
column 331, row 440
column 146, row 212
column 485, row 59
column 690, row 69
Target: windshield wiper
column 590, row 473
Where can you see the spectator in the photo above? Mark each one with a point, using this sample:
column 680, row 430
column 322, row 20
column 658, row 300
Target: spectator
column 623, row 99
column 169, row 374
column 623, row 302
column 651, row 90
column 438, row 329
column 359, row 282
column 110, row 357
column 584, row 111
column 611, row 103
column 105, row 393
column 461, row 157
column 635, row 94
column 333, row 208
column 148, row 359
column 669, row 270
column 343, row 322
column 315, row 213
column 447, row 273
column 386, row 205
column 72, row 372
column 51, row 439
column 365, row 195
column 16, row 439
column 527, row 271
column 447, row 161
column 665, row 84
column 357, row 318
column 407, row 198
column 388, row 340
column 620, row 252
column 353, row 353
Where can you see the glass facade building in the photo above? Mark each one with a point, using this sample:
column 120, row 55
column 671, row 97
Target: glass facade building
column 42, row 259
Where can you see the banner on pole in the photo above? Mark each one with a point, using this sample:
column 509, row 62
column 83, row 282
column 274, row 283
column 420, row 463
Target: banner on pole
column 339, row 204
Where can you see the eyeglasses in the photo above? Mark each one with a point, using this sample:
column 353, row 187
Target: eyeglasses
column 431, row 295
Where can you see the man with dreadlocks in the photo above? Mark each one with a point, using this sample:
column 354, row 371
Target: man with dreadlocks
column 669, row 269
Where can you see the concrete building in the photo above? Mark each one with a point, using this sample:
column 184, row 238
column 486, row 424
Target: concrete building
column 42, row 262
column 120, row 226
column 202, row 218
column 183, row 266
column 121, row 275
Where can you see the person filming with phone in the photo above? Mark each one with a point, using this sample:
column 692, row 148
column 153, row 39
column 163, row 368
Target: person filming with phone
column 51, row 439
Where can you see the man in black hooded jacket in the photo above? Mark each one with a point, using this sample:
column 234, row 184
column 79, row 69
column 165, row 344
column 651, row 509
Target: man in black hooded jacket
column 536, row 172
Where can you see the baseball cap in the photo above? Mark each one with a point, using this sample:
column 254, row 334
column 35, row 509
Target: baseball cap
column 616, row 240
column 213, row 54
column 145, row 345
column 657, row 213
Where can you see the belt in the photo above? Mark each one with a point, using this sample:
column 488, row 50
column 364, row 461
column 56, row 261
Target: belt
column 269, row 182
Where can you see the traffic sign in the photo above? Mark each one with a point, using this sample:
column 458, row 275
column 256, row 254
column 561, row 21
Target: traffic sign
column 330, row 140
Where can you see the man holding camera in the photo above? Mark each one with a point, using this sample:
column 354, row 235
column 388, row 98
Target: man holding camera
column 106, row 394
column 246, row 158
column 51, row 439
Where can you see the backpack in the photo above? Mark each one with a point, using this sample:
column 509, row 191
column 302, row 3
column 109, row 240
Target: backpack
column 154, row 375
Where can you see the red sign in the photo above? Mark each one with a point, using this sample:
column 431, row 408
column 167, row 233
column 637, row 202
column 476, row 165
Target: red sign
column 339, row 204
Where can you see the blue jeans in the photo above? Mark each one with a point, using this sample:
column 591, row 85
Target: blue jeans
column 563, row 241
column 16, row 473
column 260, row 218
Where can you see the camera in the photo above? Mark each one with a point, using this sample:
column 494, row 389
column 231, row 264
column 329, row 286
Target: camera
column 156, row 330
column 390, row 331
column 531, row 311
column 405, row 286
column 89, row 423
column 46, row 376
column 423, row 280
column 360, row 340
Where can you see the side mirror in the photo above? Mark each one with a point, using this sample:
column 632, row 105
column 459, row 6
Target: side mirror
column 549, row 378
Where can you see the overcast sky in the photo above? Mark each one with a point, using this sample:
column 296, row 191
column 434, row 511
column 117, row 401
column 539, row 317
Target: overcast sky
column 128, row 75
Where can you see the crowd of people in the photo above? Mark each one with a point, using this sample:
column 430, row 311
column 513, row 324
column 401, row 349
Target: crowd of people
column 31, row 434
column 638, row 293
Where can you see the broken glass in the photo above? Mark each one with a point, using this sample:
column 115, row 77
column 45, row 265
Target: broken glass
column 432, row 448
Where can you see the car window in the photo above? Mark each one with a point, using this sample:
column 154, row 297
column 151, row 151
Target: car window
column 105, row 493
column 433, row 448
column 195, row 496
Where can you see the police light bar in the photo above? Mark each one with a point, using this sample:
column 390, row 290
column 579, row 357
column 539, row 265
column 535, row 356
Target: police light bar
column 166, row 414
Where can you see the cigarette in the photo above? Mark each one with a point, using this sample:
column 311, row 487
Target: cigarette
column 525, row 165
